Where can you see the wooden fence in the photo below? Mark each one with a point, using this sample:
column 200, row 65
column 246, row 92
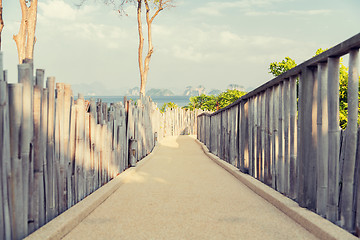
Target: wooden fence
column 55, row 150
column 298, row 148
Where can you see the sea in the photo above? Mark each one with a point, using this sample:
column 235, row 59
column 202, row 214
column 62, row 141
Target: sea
column 159, row 100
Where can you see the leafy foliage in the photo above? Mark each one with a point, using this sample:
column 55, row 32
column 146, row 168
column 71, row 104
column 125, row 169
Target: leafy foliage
column 278, row 68
column 214, row 102
column 169, row 105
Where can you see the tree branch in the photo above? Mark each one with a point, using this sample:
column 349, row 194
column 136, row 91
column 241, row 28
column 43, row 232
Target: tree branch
column 20, row 38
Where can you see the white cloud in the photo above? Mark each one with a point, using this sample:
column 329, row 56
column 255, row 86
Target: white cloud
column 59, row 9
column 290, row 13
column 216, row 8
column 188, row 53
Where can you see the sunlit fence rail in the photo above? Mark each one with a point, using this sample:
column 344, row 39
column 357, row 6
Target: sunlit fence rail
column 55, row 150
column 286, row 133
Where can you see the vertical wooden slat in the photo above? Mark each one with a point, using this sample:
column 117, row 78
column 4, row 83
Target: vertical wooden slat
column 43, row 142
column 242, row 139
column 79, row 154
column 286, row 161
column 334, row 139
column 275, row 164
column 250, row 133
column 262, row 136
column 267, row 141
column 37, row 196
column 5, row 163
column 322, row 145
column 16, row 180
column 293, row 138
column 60, row 147
column 26, row 78
column 280, row 165
column 72, row 150
column 347, row 216
column 50, row 198
column 256, row 139
column 307, row 149
column 245, row 135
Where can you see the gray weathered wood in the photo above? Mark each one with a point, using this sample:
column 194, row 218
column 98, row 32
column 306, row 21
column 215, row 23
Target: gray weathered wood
column 256, row 139
column 334, row 139
column 286, row 99
column 16, row 180
column 293, row 138
column 39, row 79
column 43, row 144
column 50, row 154
column 38, row 199
column 347, row 215
column 5, row 163
column 322, row 153
column 280, row 163
column 275, row 172
column 306, row 169
column 25, row 77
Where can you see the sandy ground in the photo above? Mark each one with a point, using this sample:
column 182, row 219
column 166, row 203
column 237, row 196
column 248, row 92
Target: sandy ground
column 182, row 194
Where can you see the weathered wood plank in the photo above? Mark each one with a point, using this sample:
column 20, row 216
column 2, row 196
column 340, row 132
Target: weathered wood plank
column 38, row 199
column 25, row 77
column 275, row 169
column 5, row 163
column 286, row 99
column 50, row 198
column 293, row 138
column 347, row 216
column 334, row 139
column 16, row 179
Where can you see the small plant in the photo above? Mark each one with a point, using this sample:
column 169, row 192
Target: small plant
column 169, row 105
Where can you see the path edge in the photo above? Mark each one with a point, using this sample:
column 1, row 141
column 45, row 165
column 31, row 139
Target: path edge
column 315, row 224
column 68, row 220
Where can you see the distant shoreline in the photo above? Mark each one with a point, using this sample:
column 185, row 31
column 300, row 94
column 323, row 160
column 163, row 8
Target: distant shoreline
column 159, row 100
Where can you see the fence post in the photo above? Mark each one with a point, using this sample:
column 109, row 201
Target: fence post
column 293, row 138
column 5, row 163
column 334, row 138
column 16, row 180
column 347, row 207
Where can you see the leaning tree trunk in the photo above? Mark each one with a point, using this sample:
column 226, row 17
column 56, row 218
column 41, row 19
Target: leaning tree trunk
column 141, row 47
column 144, row 67
column 25, row 39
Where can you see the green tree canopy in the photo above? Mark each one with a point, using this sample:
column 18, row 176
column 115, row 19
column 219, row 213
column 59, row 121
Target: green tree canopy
column 278, row 68
column 214, row 102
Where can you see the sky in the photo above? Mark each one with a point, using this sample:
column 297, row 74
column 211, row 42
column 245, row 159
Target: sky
column 198, row 42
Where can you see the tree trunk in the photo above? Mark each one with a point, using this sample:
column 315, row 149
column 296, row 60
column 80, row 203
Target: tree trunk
column 25, row 39
column 144, row 67
column 141, row 47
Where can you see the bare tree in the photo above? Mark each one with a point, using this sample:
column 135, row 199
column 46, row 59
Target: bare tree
column 144, row 63
column 158, row 6
column 25, row 39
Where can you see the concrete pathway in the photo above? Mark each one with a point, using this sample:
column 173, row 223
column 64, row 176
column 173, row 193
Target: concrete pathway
column 180, row 193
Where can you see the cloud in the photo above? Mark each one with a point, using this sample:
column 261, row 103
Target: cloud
column 58, row 9
column 216, row 8
column 188, row 53
column 290, row 13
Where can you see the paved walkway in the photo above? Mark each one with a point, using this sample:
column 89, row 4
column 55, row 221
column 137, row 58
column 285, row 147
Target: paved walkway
column 180, row 193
